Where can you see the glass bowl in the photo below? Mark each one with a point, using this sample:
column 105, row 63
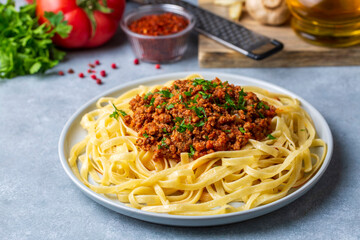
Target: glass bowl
column 158, row 49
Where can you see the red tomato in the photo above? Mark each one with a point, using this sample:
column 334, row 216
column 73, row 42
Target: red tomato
column 82, row 35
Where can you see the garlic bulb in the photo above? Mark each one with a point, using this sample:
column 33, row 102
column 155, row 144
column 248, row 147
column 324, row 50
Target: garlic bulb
column 268, row 12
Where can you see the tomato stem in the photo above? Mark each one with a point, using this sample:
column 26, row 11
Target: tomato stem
column 89, row 6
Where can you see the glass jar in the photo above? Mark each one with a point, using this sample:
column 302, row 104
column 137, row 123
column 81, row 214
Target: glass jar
column 333, row 23
column 158, row 49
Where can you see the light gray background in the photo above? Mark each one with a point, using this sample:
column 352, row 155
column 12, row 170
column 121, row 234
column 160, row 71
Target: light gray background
column 38, row 200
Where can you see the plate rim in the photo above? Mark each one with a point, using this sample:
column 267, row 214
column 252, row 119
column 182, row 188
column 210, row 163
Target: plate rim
column 179, row 219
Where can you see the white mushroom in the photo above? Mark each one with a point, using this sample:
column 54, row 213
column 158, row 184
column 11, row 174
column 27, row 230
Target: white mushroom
column 268, row 12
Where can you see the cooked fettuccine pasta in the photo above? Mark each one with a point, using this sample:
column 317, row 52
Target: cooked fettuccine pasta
column 197, row 147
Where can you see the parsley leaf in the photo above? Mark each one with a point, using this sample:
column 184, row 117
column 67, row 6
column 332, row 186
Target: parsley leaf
column 25, row 46
column 200, row 111
column 170, row 106
column 151, row 102
column 147, row 95
column 229, row 102
column 187, row 94
column 165, row 93
column 163, row 143
column 206, row 84
column 192, row 151
column 242, row 130
column 117, row 113
column 241, row 101
column 145, row 135
column 261, row 104
column 271, row 137
column 182, row 127
column 261, row 115
column 205, row 95
column 199, row 124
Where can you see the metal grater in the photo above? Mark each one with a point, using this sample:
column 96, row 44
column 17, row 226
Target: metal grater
column 228, row 33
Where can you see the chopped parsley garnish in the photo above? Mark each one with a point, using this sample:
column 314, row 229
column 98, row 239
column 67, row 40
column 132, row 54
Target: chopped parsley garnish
column 163, row 143
column 204, row 95
column 178, row 119
column 227, row 131
column 200, row 111
column 187, row 94
column 195, row 99
column 181, row 98
column 147, row 95
column 151, row 102
column 206, row 84
column 166, row 93
column 123, row 113
column 207, row 137
column 199, row 124
column 241, row 101
column 182, row 127
column 117, row 113
column 192, row 151
column 145, row 135
column 303, row 129
column 170, row 106
column 271, row 137
column 176, row 86
column 160, row 105
column 261, row 104
column 229, row 102
column 261, row 115
column 242, row 130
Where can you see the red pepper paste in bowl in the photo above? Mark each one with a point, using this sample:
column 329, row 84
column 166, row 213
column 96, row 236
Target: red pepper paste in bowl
column 159, row 25
column 158, row 33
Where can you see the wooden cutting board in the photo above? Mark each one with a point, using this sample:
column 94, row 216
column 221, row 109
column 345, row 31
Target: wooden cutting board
column 296, row 52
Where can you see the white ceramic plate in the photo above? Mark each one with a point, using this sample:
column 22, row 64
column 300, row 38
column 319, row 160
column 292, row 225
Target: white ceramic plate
column 72, row 133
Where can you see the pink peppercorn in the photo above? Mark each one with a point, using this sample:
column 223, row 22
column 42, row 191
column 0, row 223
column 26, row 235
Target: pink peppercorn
column 61, row 73
column 157, row 66
column 98, row 81
column 136, row 61
column 103, row 73
column 113, row 66
column 93, row 76
column 97, row 62
column 81, row 75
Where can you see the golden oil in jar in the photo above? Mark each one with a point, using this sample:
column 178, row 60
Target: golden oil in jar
column 333, row 23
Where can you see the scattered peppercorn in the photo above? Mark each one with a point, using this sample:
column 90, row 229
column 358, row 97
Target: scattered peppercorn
column 97, row 62
column 70, row 71
column 93, row 76
column 103, row 73
column 136, row 61
column 91, row 71
column 157, row 66
column 98, row 81
column 113, row 66
column 81, row 75
column 91, row 65
column 61, row 73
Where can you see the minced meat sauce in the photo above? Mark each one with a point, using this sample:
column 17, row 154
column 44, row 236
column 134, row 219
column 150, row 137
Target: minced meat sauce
column 199, row 117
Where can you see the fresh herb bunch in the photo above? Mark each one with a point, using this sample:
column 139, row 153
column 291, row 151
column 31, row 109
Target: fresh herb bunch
column 25, row 46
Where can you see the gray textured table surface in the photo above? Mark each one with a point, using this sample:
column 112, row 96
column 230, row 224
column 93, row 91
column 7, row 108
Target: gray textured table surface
column 39, row 201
